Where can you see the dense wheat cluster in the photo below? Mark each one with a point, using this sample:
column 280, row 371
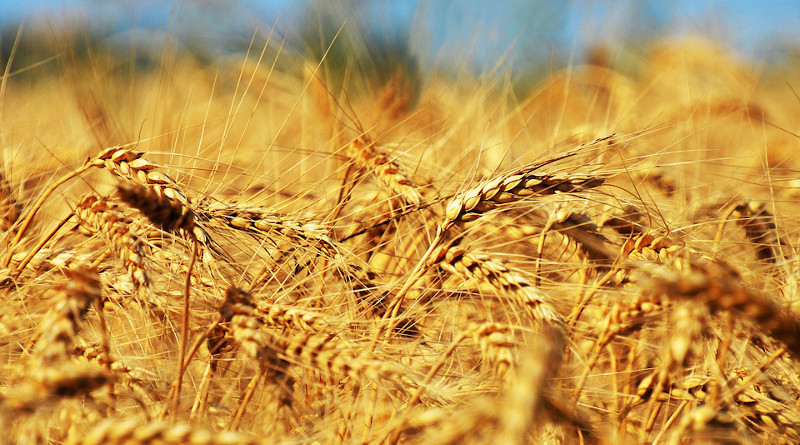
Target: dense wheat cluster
column 241, row 253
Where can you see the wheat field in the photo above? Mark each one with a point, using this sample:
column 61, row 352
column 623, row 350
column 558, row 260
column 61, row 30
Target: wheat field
column 253, row 251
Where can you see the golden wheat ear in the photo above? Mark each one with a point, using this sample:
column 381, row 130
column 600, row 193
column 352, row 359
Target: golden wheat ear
column 144, row 183
column 133, row 431
column 760, row 229
column 517, row 185
column 10, row 208
column 720, row 289
column 368, row 157
column 161, row 211
column 98, row 216
column 266, row 221
column 481, row 266
column 71, row 302
column 53, row 384
column 471, row 204
column 130, row 165
column 56, row 377
column 332, row 355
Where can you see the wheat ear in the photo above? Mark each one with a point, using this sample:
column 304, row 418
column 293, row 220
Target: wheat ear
column 522, row 403
column 171, row 216
column 366, row 155
column 255, row 219
column 98, row 216
column 324, row 352
column 53, row 384
column 513, row 186
column 720, row 289
column 579, row 228
column 760, row 229
column 10, row 209
column 480, row 266
column 71, row 302
column 130, row 165
column 135, row 432
column 487, row 195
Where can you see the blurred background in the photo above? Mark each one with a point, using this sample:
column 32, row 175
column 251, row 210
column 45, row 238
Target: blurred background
column 524, row 36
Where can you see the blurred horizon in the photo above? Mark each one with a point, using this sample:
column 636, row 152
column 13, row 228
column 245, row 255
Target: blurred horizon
column 523, row 35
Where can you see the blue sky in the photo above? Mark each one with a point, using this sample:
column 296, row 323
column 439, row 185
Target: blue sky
column 478, row 29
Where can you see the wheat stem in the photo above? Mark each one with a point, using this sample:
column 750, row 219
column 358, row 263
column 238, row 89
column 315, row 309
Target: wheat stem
column 38, row 205
column 21, row 266
column 182, row 360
